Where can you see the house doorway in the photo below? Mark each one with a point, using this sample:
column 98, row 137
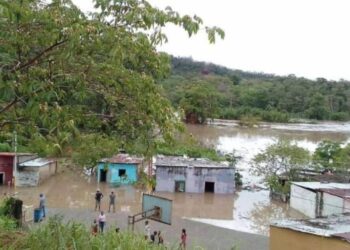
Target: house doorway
column 209, row 187
column 122, row 173
column 2, row 178
column 180, row 186
column 103, row 175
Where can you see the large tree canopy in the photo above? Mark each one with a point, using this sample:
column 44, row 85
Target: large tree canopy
column 64, row 74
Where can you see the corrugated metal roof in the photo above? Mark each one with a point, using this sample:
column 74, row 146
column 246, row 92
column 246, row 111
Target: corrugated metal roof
column 320, row 185
column 38, row 162
column 343, row 193
column 123, row 158
column 327, row 227
column 176, row 161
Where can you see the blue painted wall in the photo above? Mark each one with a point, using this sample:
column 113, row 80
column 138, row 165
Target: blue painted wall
column 113, row 172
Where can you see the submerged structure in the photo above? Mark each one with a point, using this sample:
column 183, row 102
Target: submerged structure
column 322, row 233
column 317, row 199
column 119, row 169
column 8, row 163
column 33, row 172
column 25, row 169
column 194, row 175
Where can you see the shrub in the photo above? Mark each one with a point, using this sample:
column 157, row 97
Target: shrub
column 340, row 116
column 56, row 235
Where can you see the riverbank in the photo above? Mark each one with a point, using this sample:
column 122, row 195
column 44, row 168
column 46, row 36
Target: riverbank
column 300, row 125
column 199, row 234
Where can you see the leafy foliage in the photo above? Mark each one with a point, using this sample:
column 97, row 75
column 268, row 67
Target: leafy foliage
column 56, row 235
column 326, row 154
column 270, row 98
column 280, row 158
column 64, row 74
column 332, row 156
column 187, row 145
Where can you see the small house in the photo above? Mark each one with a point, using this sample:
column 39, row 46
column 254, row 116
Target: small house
column 322, row 234
column 316, row 199
column 7, row 165
column 194, row 175
column 119, row 169
column 33, row 172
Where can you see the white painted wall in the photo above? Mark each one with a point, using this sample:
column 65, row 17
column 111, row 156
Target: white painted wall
column 346, row 206
column 303, row 200
column 332, row 204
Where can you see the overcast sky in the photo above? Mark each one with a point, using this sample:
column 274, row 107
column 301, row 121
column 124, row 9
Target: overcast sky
column 309, row 38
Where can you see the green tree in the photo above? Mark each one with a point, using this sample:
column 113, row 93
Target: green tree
column 64, row 74
column 318, row 108
column 343, row 158
column 199, row 102
column 327, row 155
column 282, row 157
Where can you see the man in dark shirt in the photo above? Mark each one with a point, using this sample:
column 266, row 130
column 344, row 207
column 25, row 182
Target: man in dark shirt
column 98, row 198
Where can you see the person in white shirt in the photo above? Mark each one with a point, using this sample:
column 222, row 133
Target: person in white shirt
column 147, row 230
column 102, row 221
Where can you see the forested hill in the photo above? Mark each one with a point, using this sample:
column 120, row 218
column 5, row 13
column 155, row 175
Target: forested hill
column 205, row 90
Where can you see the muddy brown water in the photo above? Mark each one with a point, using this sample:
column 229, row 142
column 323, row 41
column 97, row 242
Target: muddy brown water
column 249, row 211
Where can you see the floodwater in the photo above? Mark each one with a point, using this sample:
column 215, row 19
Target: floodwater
column 249, row 211
column 253, row 210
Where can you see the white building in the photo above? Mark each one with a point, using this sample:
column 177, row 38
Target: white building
column 316, row 199
column 193, row 175
column 33, row 172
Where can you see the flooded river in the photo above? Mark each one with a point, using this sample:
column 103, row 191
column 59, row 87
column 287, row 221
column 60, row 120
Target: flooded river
column 249, row 211
column 253, row 210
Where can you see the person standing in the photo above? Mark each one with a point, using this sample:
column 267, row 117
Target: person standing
column 98, row 198
column 94, row 228
column 183, row 239
column 160, row 238
column 42, row 202
column 102, row 221
column 153, row 236
column 147, row 231
column 111, row 202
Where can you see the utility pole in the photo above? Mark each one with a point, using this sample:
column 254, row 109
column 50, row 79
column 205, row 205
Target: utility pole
column 15, row 159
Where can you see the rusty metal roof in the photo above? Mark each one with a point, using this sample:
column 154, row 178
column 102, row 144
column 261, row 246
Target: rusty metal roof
column 123, row 158
column 343, row 193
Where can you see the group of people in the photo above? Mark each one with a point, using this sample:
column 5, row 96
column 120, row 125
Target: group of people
column 98, row 199
column 154, row 236
column 98, row 224
column 157, row 237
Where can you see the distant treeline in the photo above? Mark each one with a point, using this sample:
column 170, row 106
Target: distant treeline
column 205, row 90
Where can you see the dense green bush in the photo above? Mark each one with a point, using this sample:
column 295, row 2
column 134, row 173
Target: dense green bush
column 339, row 116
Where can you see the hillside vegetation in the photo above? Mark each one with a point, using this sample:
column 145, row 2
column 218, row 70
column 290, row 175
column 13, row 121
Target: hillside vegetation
column 205, row 90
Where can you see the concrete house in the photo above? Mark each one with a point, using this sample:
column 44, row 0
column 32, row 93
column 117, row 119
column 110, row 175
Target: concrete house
column 7, row 167
column 316, row 199
column 119, row 169
column 33, row 172
column 179, row 174
column 330, row 233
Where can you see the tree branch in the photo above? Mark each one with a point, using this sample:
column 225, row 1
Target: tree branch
column 9, row 105
column 34, row 59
